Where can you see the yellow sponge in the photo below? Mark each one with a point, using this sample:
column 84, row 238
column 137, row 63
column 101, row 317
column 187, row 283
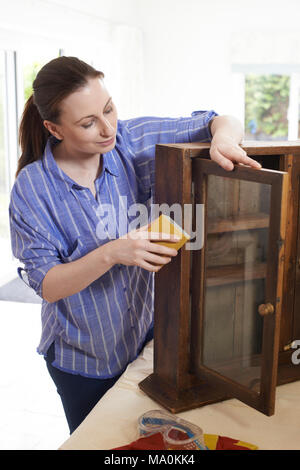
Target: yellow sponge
column 166, row 225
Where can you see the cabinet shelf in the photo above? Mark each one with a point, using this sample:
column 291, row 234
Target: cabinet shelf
column 202, row 356
column 222, row 275
column 231, row 224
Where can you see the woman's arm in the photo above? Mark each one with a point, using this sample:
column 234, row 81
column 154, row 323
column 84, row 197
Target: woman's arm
column 134, row 248
column 227, row 133
column 67, row 279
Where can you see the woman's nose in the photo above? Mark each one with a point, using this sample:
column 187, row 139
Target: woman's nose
column 106, row 129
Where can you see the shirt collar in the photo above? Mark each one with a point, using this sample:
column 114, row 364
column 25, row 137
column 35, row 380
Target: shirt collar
column 61, row 180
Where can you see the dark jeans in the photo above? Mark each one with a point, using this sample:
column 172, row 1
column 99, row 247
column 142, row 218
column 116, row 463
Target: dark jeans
column 79, row 394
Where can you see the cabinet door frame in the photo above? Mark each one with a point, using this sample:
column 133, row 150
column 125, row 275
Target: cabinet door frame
column 264, row 400
column 296, row 227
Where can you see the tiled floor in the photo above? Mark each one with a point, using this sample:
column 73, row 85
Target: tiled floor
column 31, row 413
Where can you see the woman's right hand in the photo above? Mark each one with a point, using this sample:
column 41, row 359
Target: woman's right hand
column 137, row 248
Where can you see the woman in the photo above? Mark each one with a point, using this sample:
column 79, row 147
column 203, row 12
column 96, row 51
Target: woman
column 97, row 287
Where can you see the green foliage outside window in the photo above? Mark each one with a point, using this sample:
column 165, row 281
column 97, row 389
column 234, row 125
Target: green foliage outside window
column 30, row 72
column 266, row 105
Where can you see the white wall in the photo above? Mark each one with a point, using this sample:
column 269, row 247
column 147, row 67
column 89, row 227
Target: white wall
column 173, row 56
column 190, row 46
column 42, row 27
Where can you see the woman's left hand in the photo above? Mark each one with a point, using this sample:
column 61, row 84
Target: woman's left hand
column 225, row 151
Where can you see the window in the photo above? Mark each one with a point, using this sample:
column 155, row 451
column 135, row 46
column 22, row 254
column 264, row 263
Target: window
column 5, row 250
column 267, row 100
column 4, row 189
column 17, row 72
column 266, row 107
column 30, row 62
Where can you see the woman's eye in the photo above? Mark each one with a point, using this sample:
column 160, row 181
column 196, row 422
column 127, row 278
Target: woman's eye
column 86, row 126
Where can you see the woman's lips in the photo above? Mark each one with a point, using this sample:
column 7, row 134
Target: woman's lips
column 107, row 142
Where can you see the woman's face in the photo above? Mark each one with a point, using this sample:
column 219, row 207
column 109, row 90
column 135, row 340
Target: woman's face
column 88, row 119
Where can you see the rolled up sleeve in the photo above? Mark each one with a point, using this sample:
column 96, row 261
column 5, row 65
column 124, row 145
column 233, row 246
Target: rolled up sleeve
column 143, row 133
column 34, row 248
column 196, row 128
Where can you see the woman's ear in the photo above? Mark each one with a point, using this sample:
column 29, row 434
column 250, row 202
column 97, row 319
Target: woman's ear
column 53, row 129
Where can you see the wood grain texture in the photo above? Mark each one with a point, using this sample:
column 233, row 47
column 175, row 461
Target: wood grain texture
column 181, row 287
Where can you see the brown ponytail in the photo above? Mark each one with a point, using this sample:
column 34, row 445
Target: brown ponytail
column 33, row 135
column 55, row 81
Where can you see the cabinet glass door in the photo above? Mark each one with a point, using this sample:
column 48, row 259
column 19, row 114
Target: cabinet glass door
column 236, row 312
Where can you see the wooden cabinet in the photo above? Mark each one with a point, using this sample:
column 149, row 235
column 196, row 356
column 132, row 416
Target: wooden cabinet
column 227, row 308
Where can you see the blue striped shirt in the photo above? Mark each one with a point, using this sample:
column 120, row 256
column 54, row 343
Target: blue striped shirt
column 99, row 330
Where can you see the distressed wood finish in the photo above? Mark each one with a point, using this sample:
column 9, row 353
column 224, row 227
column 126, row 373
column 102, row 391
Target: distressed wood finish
column 180, row 381
column 171, row 348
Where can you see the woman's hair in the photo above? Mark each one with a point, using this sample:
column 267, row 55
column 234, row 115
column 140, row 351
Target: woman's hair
column 55, row 81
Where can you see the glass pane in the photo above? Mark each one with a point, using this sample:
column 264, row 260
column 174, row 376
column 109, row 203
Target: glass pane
column 266, row 107
column 235, row 265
